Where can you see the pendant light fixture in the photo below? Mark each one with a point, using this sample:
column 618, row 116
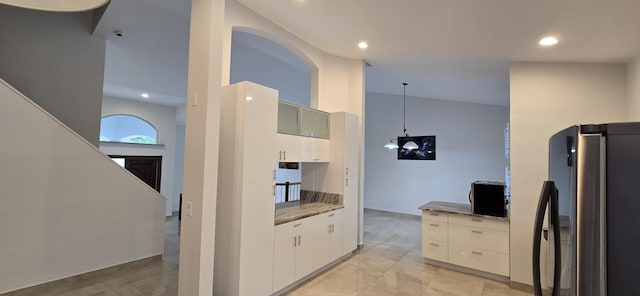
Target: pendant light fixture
column 410, row 145
column 393, row 143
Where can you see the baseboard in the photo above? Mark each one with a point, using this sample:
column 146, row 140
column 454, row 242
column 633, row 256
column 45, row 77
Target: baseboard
column 479, row 273
column 396, row 214
column 84, row 276
column 521, row 287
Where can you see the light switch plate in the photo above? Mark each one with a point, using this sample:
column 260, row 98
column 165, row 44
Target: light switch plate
column 189, row 208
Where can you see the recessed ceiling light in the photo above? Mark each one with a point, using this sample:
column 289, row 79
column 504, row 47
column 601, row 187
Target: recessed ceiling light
column 363, row 45
column 249, row 98
column 144, row 95
column 548, row 41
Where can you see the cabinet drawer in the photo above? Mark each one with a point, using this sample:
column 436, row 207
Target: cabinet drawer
column 435, row 250
column 481, row 238
column 434, row 216
column 435, row 230
column 483, row 260
column 289, row 228
column 474, row 221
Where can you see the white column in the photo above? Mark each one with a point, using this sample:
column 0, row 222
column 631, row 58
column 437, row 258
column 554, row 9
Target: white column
column 197, row 237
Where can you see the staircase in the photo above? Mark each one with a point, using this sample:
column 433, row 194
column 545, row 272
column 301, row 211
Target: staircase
column 65, row 207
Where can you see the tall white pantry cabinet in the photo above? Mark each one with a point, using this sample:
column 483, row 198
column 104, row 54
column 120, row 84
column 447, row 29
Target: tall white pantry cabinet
column 245, row 208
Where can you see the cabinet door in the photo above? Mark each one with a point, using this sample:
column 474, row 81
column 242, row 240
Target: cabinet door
column 323, row 242
column 259, row 144
column 337, row 234
column 289, row 148
column 314, row 150
column 305, row 254
column 314, row 123
column 350, row 214
column 288, row 118
column 284, row 263
column 351, row 145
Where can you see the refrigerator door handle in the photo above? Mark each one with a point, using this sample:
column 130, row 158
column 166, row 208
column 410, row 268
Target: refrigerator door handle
column 555, row 218
column 547, row 188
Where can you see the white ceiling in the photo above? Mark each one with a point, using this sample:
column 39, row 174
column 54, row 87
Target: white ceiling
column 444, row 49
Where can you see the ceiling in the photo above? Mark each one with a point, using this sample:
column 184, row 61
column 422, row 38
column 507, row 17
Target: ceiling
column 445, row 49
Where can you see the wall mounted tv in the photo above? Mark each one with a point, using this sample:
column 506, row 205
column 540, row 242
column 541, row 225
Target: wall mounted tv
column 426, row 148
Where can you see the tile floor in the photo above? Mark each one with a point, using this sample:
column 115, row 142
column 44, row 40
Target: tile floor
column 389, row 264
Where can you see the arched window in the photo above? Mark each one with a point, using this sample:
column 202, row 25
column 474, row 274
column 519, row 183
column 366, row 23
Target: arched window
column 127, row 129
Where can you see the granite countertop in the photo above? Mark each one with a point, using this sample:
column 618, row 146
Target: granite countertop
column 454, row 208
column 291, row 211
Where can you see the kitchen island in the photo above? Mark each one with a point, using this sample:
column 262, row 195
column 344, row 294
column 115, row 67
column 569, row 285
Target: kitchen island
column 455, row 238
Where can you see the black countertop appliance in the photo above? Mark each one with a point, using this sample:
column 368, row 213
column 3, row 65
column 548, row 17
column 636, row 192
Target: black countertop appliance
column 488, row 198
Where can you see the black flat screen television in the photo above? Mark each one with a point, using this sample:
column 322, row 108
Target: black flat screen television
column 426, row 148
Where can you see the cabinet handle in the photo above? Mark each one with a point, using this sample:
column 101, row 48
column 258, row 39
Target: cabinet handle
column 476, row 231
column 329, row 228
column 284, row 153
column 333, row 228
column 331, row 215
column 280, row 157
column 346, row 181
column 476, row 220
column 434, row 225
column 295, row 242
column 296, row 225
column 434, row 214
column 435, row 245
column 346, row 171
column 300, row 241
column 476, row 253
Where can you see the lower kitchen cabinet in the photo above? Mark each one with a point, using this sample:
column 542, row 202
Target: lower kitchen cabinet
column 293, row 252
column 463, row 239
column 306, row 245
column 329, row 235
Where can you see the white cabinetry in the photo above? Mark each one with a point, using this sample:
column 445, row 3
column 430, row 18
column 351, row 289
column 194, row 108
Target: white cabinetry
column 345, row 171
column 329, row 234
column 476, row 242
column 341, row 175
column 301, row 149
column 435, row 235
column 244, row 223
column 294, row 247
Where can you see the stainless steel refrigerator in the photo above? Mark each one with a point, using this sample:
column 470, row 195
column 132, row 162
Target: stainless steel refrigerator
column 592, row 202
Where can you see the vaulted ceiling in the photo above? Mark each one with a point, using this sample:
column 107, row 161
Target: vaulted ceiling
column 453, row 49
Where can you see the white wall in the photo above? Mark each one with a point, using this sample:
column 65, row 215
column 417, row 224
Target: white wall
column 65, row 208
column 633, row 88
column 336, row 83
column 163, row 118
column 54, row 59
column 545, row 98
column 469, row 147
column 279, row 69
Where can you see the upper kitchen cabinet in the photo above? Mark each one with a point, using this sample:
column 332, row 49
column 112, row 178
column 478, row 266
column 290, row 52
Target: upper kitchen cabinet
column 302, row 121
column 314, row 123
column 288, row 118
